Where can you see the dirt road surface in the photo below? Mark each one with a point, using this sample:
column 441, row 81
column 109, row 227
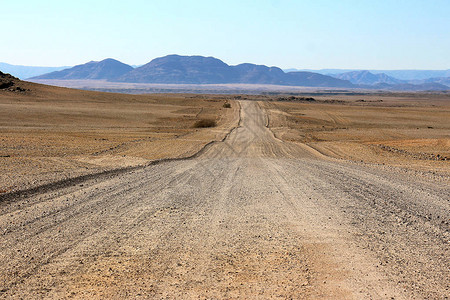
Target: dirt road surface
column 250, row 217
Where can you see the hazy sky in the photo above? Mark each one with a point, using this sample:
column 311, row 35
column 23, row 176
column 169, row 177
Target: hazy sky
column 377, row 34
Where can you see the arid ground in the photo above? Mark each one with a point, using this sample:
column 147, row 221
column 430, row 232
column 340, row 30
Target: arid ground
column 406, row 130
column 49, row 133
column 336, row 198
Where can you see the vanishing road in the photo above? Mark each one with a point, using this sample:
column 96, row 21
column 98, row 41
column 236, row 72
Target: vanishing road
column 250, row 217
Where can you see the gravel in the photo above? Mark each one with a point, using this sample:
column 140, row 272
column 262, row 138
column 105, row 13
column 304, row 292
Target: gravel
column 250, row 217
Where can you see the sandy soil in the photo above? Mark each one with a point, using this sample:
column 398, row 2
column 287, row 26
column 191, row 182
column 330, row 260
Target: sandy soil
column 249, row 217
column 404, row 130
column 49, row 133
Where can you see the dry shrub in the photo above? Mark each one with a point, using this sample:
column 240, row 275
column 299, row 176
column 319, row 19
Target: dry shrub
column 205, row 123
column 227, row 105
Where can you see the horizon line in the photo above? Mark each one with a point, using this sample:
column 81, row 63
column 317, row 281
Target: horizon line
column 283, row 68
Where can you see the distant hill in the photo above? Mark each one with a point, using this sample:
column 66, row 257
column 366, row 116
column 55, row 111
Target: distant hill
column 24, row 72
column 398, row 74
column 441, row 80
column 415, row 74
column 209, row 70
column 431, row 86
column 366, row 77
column 180, row 69
column 108, row 69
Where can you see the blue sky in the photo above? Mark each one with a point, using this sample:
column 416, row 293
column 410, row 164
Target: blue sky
column 413, row 34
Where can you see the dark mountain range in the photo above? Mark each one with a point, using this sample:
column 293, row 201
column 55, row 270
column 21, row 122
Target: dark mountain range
column 108, row 69
column 176, row 69
column 209, row 70
column 366, row 77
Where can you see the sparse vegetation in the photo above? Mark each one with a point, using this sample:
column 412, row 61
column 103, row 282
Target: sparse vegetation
column 292, row 98
column 227, row 105
column 83, row 133
column 205, row 123
column 354, row 127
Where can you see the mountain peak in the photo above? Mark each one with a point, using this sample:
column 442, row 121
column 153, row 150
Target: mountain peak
column 366, row 77
column 108, row 69
column 181, row 69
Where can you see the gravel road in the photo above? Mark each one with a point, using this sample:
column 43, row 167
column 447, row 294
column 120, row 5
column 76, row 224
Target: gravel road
column 250, row 217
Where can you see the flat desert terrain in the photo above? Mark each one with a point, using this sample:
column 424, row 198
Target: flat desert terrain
column 50, row 133
column 406, row 130
column 335, row 198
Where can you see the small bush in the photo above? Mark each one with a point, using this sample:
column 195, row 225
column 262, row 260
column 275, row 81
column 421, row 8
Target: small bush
column 227, row 105
column 205, row 123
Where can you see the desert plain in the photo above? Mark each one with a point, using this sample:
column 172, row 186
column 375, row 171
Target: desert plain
column 51, row 133
column 308, row 196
